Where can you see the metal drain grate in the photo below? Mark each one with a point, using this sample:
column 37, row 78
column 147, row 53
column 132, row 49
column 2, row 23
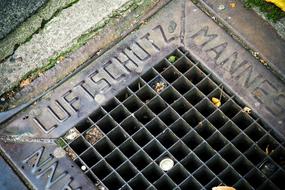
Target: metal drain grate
column 167, row 112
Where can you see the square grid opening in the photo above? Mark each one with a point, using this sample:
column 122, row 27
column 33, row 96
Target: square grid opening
column 168, row 113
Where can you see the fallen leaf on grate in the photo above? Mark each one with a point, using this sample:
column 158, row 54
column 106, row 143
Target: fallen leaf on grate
column 93, row 135
column 233, row 5
column 223, row 188
column 159, row 86
column 216, row 101
column 172, row 59
column 268, row 150
column 70, row 153
column 246, row 110
column 99, row 186
column 71, row 134
column 25, row 82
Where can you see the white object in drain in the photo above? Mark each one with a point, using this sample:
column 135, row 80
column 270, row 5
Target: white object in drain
column 83, row 168
column 166, row 164
column 72, row 134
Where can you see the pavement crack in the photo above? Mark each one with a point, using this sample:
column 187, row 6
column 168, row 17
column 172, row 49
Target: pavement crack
column 42, row 26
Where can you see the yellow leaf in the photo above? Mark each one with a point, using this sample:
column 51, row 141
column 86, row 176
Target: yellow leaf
column 61, row 58
column 278, row 3
column 232, row 5
column 216, row 101
column 223, row 188
column 25, row 82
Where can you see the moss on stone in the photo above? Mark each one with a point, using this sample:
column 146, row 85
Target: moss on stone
column 31, row 26
column 271, row 11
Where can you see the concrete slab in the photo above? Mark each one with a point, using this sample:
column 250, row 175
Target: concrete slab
column 61, row 34
column 34, row 24
column 13, row 12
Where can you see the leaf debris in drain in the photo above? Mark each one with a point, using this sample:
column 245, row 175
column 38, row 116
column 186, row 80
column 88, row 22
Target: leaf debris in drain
column 268, row 150
column 247, row 110
column 70, row 153
column 159, row 86
column 233, row 5
column 216, row 101
column 172, row 58
column 223, row 188
column 71, row 134
column 25, row 82
column 93, row 135
column 99, row 186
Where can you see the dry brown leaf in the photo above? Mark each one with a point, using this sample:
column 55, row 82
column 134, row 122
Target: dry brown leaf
column 70, row 153
column 159, row 86
column 233, row 5
column 267, row 150
column 25, row 82
column 41, row 74
column 223, row 188
column 93, row 135
column 61, row 58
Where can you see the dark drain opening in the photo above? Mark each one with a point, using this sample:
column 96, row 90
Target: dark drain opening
column 168, row 113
